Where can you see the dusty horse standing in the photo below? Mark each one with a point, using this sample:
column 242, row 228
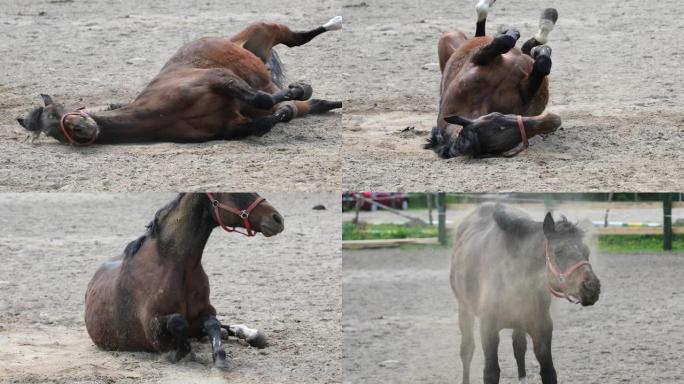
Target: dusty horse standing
column 492, row 94
column 212, row 88
column 155, row 296
column 504, row 270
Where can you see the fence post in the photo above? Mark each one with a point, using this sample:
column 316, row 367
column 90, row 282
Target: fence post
column 667, row 222
column 441, row 217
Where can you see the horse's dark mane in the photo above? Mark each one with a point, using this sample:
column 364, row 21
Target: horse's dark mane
column 565, row 228
column 153, row 228
column 518, row 225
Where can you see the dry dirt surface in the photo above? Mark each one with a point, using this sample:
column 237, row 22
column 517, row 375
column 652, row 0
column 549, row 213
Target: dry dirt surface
column 400, row 323
column 101, row 52
column 288, row 285
column 615, row 82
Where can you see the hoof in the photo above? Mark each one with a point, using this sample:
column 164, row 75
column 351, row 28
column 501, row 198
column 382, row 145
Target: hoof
column 302, row 91
column 258, row 340
column 334, row 24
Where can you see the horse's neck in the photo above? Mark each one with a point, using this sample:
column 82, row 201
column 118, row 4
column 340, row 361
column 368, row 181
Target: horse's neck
column 117, row 124
column 184, row 231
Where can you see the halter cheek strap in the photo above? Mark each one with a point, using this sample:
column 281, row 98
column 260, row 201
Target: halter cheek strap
column 66, row 132
column 561, row 276
column 244, row 214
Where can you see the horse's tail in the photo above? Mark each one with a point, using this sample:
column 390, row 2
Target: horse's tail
column 277, row 69
column 467, row 143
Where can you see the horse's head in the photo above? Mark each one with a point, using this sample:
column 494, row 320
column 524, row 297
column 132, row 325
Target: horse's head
column 495, row 133
column 568, row 268
column 246, row 210
column 46, row 119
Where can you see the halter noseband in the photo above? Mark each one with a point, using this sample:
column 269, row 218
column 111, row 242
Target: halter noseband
column 68, row 135
column 561, row 276
column 244, row 214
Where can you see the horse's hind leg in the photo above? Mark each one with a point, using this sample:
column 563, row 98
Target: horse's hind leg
column 466, row 322
column 448, row 43
column 542, row 68
column 519, row 349
column 259, row 38
column 500, row 45
column 546, row 23
column 253, row 337
column 482, row 9
column 261, row 125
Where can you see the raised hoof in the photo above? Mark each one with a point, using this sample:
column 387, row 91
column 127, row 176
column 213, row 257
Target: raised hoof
column 286, row 112
column 258, row 340
column 333, row 24
column 301, row 91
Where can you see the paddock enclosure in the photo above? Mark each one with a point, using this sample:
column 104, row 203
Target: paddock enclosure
column 288, row 286
column 400, row 322
column 614, row 82
column 103, row 52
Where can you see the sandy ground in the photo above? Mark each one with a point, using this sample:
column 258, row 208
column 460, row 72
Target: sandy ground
column 289, row 286
column 614, row 82
column 400, row 323
column 102, row 52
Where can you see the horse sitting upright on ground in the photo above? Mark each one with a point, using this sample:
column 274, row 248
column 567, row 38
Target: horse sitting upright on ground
column 491, row 89
column 504, row 270
column 155, row 296
column 212, row 88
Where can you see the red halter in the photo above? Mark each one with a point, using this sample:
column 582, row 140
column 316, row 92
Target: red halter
column 66, row 133
column 244, row 214
column 561, row 276
column 523, row 134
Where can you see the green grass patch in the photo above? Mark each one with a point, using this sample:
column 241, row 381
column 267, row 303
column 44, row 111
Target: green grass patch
column 637, row 243
column 386, row 231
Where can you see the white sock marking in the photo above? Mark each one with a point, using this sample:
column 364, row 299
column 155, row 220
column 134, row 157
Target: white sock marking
column 545, row 27
column 334, row 24
column 482, row 8
column 242, row 331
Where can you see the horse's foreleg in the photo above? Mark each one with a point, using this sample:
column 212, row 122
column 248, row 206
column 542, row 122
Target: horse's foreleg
column 500, row 45
column 315, row 106
column 542, row 68
column 259, row 38
column 489, row 335
column 253, row 337
column 519, row 349
column 541, row 338
column 227, row 84
column 466, row 322
column 174, row 327
column 261, row 125
column 546, row 24
column 212, row 328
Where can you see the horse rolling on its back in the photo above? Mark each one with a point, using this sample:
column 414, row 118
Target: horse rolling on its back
column 492, row 94
column 504, row 270
column 155, row 296
column 212, row 88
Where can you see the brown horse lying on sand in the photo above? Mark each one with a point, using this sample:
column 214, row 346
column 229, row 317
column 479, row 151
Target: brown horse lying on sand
column 487, row 87
column 505, row 270
column 212, row 88
column 155, row 296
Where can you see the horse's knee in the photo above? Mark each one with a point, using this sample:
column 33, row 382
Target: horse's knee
column 177, row 325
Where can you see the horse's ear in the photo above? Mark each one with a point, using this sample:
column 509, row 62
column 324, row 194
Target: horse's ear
column 458, row 120
column 549, row 225
column 47, row 100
